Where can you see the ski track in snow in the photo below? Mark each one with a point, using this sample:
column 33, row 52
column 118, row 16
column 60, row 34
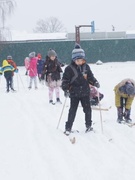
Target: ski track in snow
column 31, row 146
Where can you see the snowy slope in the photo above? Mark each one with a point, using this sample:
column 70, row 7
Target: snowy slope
column 32, row 148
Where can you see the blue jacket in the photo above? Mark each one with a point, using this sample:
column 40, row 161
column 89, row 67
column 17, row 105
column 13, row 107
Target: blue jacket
column 40, row 64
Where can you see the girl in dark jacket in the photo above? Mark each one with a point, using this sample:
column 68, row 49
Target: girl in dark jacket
column 76, row 79
column 52, row 70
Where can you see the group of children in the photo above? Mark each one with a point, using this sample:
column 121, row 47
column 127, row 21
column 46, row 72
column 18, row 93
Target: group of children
column 48, row 70
column 77, row 82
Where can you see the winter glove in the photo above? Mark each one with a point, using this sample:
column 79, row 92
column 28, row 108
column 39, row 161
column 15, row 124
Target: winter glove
column 16, row 70
column 96, row 84
column 66, row 93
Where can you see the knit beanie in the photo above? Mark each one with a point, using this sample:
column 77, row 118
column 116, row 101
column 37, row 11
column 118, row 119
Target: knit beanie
column 39, row 55
column 51, row 52
column 32, row 54
column 9, row 57
column 78, row 52
column 130, row 89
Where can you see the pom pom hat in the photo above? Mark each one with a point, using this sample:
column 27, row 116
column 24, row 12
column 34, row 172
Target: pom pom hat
column 9, row 57
column 78, row 53
column 39, row 55
column 51, row 52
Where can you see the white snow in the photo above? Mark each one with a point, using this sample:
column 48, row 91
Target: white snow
column 32, row 148
column 99, row 62
column 24, row 35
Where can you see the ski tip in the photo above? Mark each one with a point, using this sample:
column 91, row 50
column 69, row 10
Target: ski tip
column 73, row 140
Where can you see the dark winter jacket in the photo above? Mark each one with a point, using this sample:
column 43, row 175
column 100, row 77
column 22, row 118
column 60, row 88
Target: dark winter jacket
column 80, row 86
column 53, row 68
column 40, row 64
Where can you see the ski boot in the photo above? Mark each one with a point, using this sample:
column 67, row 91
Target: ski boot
column 51, row 102
column 13, row 90
column 127, row 116
column 88, row 129
column 120, row 114
column 67, row 132
column 58, row 101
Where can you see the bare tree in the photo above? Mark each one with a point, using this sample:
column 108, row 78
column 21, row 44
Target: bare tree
column 6, row 9
column 49, row 25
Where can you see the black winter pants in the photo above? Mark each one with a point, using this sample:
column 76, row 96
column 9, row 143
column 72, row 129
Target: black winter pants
column 9, row 81
column 74, row 102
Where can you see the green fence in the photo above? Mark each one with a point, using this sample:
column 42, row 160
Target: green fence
column 118, row 50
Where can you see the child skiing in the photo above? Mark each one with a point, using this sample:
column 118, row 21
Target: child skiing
column 40, row 64
column 8, row 74
column 33, row 70
column 52, row 70
column 75, row 84
column 12, row 63
column 124, row 96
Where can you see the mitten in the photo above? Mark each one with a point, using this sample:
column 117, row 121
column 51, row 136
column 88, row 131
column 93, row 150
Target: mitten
column 96, row 84
column 66, row 93
column 16, row 70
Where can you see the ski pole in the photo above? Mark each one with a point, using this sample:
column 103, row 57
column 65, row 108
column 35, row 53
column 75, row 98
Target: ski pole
column 100, row 112
column 17, row 82
column 62, row 112
column 21, row 80
column 0, row 79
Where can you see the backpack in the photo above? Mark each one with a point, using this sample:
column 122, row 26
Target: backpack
column 75, row 72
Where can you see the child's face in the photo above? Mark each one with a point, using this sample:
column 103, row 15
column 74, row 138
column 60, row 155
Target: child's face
column 79, row 61
column 84, row 61
column 52, row 58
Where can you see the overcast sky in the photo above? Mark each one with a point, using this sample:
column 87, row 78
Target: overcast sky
column 105, row 13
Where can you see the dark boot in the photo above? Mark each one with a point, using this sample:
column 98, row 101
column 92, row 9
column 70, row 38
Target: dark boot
column 7, row 91
column 88, row 129
column 127, row 116
column 120, row 114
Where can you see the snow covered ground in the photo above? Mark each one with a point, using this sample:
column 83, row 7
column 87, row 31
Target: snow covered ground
column 32, row 148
